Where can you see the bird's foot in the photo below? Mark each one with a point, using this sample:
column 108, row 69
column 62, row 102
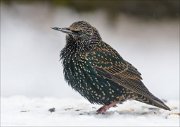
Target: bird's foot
column 104, row 108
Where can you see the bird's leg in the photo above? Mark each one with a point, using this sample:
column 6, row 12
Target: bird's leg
column 104, row 108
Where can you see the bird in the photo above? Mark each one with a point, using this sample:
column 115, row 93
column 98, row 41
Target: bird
column 98, row 72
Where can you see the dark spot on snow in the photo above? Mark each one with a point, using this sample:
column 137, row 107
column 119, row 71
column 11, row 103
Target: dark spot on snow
column 85, row 113
column 144, row 113
column 51, row 110
column 150, row 108
column 156, row 109
column 68, row 109
column 77, row 110
column 24, row 111
column 93, row 107
column 155, row 112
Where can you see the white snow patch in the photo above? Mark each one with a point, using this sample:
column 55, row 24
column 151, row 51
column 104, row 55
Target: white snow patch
column 24, row 111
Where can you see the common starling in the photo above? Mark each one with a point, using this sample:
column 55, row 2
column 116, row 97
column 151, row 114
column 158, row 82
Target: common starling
column 98, row 72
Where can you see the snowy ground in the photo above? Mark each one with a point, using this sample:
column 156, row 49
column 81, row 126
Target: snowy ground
column 23, row 111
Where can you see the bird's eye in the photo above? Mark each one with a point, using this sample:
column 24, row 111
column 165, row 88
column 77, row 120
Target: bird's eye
column 75, row 28
column 76, row 31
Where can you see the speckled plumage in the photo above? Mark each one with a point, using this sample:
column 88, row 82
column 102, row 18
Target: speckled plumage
column 98, row 72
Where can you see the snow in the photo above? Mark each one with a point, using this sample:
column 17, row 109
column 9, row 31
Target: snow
column 26, row 111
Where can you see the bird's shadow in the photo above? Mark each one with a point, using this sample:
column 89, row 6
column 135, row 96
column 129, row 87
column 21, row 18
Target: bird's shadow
column 132, row 112
column 127, row 113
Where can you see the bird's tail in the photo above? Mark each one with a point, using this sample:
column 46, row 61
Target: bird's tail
column 153, row 101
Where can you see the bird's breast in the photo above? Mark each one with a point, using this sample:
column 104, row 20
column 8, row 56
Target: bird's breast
column 81, row 76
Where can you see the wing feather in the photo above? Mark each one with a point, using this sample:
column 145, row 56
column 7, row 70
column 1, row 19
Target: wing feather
column 108, row 63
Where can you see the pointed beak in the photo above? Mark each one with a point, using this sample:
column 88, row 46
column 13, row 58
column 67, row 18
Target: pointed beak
column 64, row 30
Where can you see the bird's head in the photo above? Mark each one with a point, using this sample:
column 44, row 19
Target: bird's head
column 81, row 31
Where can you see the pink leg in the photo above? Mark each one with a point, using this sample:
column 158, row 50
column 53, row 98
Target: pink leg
column 104, row 108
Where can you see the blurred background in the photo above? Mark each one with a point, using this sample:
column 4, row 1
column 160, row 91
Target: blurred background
column 144, row 32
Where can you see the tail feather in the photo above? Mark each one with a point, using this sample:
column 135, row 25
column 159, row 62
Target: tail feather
column 157, row 102
column 153, row 101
